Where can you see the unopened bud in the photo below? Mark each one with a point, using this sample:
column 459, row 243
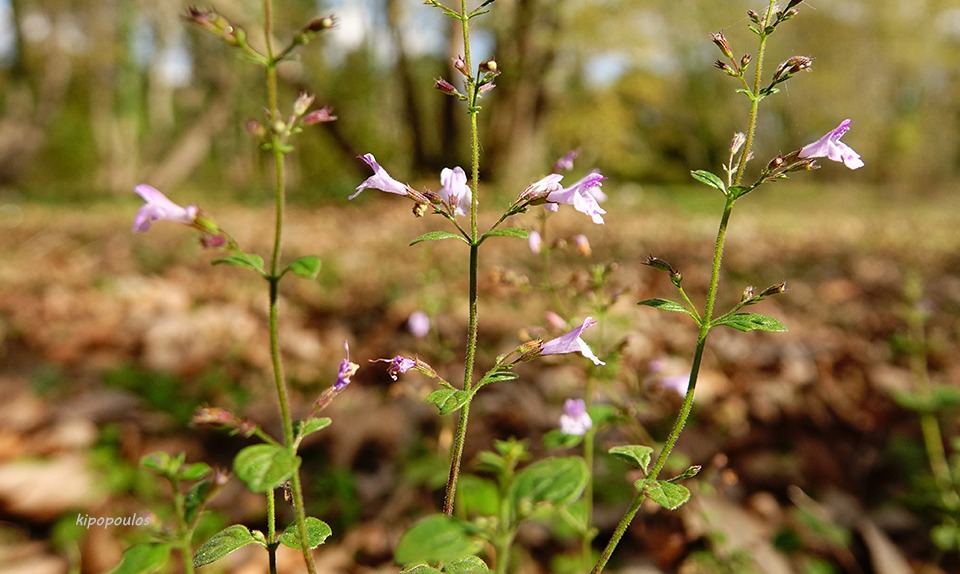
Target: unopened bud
column 582, row 244
column 255, row 128
column 738, row 140
column 320, row 24
column 754, row 17
column 725, row 68
column 748, row 294
column 323, row 115
column 490, row 66
column 445, row 87
column 776, row 162
column 461, row 66
column 302, row 104
column 660, row 264
column 791, row 67
column 745, row 61
column 774, row 290
column 721, row 41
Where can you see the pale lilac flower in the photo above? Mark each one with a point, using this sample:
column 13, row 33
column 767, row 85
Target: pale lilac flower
column 830, row 147
column 575, row 420
column 535, row 241
column 572, row 343
column 418, row 324
column 676, row 383
column 158, row 206
column 380, row 179
column 398, row 365
column 346, row 370
column 566, row 162
column 583, row 196
column 582, row 244
column 454, row 190
column 554, row 320
column 539, row 190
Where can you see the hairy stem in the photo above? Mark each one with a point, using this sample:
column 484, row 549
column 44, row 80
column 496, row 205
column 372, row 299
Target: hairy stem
column 754, row 97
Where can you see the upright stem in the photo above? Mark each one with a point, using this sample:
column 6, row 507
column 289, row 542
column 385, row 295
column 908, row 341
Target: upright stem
column 460, row 438
column 754, row 97
column 184, row 532
column 274, row 279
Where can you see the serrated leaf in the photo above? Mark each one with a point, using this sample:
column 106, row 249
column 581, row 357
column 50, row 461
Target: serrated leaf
column 317, row 533
column 307, row 266
column 434, row 539
column 665, row 305
column 436, row 236
column 448, row 400
column 263, row 467
column 751, row 322
column 637, row 455
column 310, row 426
column 222, row 543
column 667, row 494
column 710, row 179
column 506, row 232
column 468, row 565
column 556, row 480
column 245, row 260
column 143, row 559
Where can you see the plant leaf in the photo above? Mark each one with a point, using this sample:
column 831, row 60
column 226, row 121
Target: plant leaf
column 665, row 305
column 710, row 179
column 310, row 426
column 263, row 467
column 436, row 538
column 468, row 565
column 448, row 400
column 496, row 377
column 637, row 455
column 143, row 558
column 245, row 260
column 307, row 266
column 665, row 493
column 421, row 569
column 751, row 322
column 436, row 236
column 317, row 533
column 223, row 543
column 506, row 232
column 557, row 480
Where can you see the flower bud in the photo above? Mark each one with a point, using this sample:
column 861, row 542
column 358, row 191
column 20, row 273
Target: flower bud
column 489, row 67
column 660, row 264
column 745, row 61
column 582, row 244
column 748, row 294
column 323, row 115
column 321, row 24
column 791, row 67
column 461, row 66
column 725, row 68
column 738, row 140
column 302, row 104
column 721, row 41
column 754, row 17
column 776, row 162
column 774, row 290
column 255, row 128
column 445, row 87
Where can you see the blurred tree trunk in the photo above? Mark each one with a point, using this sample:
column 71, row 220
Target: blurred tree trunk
column 408, row 87
column 33, row 99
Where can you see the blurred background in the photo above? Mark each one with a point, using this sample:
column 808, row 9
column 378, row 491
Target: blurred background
column 809, row 440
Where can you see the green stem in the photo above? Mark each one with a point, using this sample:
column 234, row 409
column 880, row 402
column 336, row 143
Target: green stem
column 754, row 97
column 184, row 532
column 687, row 406
column 272, row 531
column 274, row 279
column 460, row 438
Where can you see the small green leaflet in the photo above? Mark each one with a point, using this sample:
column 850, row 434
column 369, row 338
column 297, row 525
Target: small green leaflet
column 751, row 322
column 448, row 400
column 709, row 179
column 637, row 455
column 245, row 260
column 436, row 236
column 665, row 493
column 307, row 266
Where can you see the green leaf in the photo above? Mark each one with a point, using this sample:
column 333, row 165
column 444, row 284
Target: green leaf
column 468, row 565
column 195, row 498
column 421, row 569
column 477, row 496
column 436, row 236
column 940, row 397
column 263, row 467
column 310, row 426
column 738, row 191
column 556, row 480
column 195, row 471
column 143, row 558
column 751, row 322
column 506, row 232
column 436, row 538
column 666, row 305
column 245, row 260
column 448, row 400
column 710, row 179
column 224, row 542
column 637, row 455
column 317, row 533
column 307, row 266
column 554, row 438
column 496, row 377
column 665, row 493
column 159, row 462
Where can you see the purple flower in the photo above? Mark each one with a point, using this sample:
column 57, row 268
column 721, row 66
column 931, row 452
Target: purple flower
column 535, row 241
column 676, row 383
column 398, row 365
column 380, row 179
column 454, row 190
column 830, row 147
column 346, row 370
column 572, row 343
column 158, row 206
column 575, row 420
column 583, row 196
column 418, row 324
column 566, row 162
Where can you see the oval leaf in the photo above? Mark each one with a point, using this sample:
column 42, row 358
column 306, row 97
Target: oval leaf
column 448, row 400
column 310, row 426
column 557, row 480
column 506, row 232
column 143, row 558
column 263, row 467
column 436, row 236
column 665, row 493
column 496, row 377
column 245, row 260
column 317, row 533
column 307, row 266
column 223, row 543
column 710, row 179
column 468, row 565
column 666, row 305
column 637, row 455
column 751, row 322
column 437, row 538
